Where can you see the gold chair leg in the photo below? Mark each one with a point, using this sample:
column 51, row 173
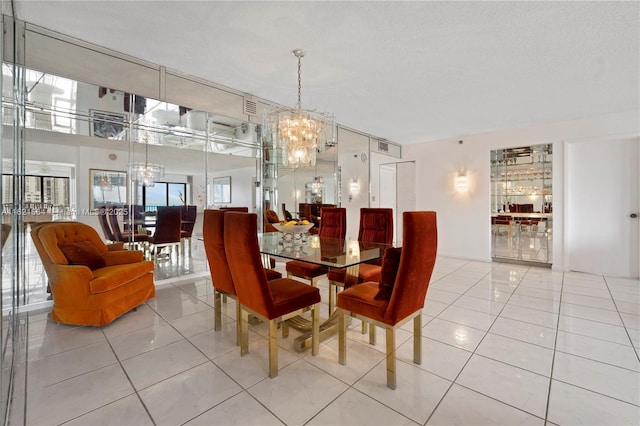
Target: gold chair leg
column 332, row 297
column 217, row 311
column 372, row 334
column 285, row 329
column 273, row 349
column 417, row 339
column 224, row 298
column 315, row 333
column 238, row 329
column 364, row 327
column 243, row 323
column 342, row 338
column 391, row 358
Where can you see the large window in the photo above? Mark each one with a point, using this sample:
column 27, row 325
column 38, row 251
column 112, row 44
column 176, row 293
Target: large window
column 163, row 194
column 39, row 189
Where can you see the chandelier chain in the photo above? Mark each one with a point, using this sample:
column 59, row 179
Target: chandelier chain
column 299, row 83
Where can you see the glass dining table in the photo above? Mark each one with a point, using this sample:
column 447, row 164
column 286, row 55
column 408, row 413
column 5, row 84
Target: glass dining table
column 328, row 252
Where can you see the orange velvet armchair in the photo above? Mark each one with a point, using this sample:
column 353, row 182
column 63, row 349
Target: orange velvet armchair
column 90, row 284
column 390, row 308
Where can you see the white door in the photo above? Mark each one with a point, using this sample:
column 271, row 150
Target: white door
column 601, row 197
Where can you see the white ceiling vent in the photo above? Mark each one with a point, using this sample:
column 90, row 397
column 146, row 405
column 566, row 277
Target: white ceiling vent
column 250, row 107
column 385, row 147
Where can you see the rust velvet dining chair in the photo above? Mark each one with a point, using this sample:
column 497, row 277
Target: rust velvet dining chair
column 168, row 229
column 213, row 235
column 333, row 224
column 376, row 226
column 399, row 296
column 275, row 300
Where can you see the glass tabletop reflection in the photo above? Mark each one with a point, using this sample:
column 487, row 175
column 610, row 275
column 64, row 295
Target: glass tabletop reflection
column 331, row 252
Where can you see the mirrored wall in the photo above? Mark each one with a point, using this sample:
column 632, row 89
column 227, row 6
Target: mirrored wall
column 83, row 146
column 522, row 203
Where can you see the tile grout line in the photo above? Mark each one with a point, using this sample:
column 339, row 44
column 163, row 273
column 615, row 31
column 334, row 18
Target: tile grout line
column 553, row 359
column 475, row 349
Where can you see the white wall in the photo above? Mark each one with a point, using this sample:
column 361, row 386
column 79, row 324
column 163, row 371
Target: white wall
column 464, row 221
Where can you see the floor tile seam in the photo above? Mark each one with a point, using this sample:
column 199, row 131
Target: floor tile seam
column 193, row 345
column 628, row 344
column 75, row 375
column 595, row 392
column 473, row 352
column 391, row 408
column 553, row 356
column 537, row 297
column 599, row 361
column 213, row 406
column 497, row 400
column 465, row 294
column 622, row 320
column 519, row 340
column 133, row 387
column 104, row 405
column 514, row 304
column 591, row 319
column 371, row 398
column 572, row 293
column 548, row 376
column 466, row 325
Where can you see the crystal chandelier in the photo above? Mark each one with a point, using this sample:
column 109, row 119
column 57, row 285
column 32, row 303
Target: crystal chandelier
column 146, row 174
column 299, row 133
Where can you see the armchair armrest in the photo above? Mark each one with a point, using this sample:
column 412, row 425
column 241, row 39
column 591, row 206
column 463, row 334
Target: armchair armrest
column 121, row 257
column 115, row 246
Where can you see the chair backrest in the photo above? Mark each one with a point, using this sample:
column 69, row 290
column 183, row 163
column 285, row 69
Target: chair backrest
column 245, row 263
column 104, row 224
column 6, row 229
column 168, row 222
column 235, row 209
column 136, row 215
column 417, row 259
column 48, row 237
column 115, row 226
column 285, row 213
column 188, row 221
column 376, row 225
column 213, row 234
column 333, row 222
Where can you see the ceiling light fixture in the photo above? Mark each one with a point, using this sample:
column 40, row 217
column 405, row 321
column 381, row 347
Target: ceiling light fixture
column 146, row 174
column 299, row 133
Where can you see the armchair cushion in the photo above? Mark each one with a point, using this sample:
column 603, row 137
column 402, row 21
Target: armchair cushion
column 83, row 253
column 305, row 269
column 361, row 299
column 110, row 277
column 390, row 262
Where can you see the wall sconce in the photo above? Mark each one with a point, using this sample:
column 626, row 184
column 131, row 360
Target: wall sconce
column 462, row 182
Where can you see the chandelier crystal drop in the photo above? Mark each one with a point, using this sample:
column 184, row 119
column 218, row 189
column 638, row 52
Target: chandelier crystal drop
column 146, row 174
column 299, row 133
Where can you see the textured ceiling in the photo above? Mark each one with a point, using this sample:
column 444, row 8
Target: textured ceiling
column 405, row 71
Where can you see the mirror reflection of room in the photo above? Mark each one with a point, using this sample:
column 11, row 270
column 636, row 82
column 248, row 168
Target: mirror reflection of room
column 522, row 203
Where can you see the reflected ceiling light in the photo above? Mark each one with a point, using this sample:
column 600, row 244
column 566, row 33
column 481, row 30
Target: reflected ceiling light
column 146, row 174
column 317, row 185
column 105, row 183
column 299, row 133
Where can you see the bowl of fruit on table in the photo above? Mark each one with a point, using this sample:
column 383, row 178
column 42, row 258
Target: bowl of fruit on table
column 293, row 227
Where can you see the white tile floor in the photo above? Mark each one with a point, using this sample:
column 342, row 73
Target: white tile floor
column 503, row 344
